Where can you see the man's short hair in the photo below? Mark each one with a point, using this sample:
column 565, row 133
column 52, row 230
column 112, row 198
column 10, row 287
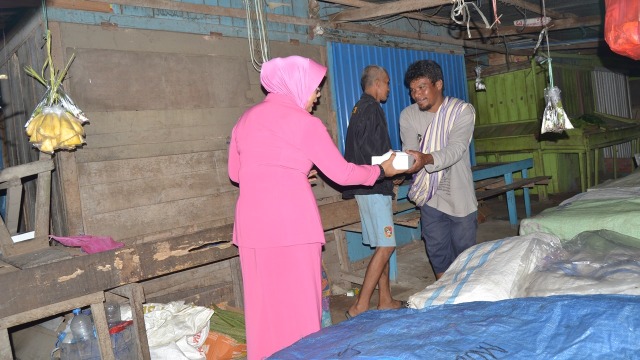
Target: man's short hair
column 423, row 68
column 370, row 74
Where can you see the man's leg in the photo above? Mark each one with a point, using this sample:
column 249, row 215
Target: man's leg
column 373, row 276
column 377, row 231
column 463, row 232
column 385, row 300
column 437, row 239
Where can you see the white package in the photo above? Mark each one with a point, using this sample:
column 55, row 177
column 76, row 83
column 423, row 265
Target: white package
column 402, row 161
column 489, row 271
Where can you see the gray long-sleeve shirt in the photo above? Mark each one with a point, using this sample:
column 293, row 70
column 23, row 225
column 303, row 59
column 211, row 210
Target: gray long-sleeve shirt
column 455, row 195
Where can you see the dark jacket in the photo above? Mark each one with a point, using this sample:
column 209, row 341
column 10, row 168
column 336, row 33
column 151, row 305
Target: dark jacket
column 367, row 136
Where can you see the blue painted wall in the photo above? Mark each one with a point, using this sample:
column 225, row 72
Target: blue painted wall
column 346, row 62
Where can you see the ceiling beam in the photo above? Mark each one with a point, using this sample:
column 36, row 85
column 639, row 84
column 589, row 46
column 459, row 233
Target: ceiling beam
column 537, row 9
column 14, row 4
column 387, row 9
column 562, row 24
column 411, row 15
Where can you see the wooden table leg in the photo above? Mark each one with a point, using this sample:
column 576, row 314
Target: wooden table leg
column 5, row 345
column 527, row 201
column 102, row 330
column 583, row 175
column 511, row 201
column 135, row 293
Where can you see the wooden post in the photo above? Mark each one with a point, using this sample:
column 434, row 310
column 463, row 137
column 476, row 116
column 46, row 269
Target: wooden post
column 102, row 331
column 135, row 293
column 5, row 345
column 236, row 278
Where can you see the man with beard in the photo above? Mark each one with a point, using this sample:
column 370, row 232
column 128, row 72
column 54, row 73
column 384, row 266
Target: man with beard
column 440, row 128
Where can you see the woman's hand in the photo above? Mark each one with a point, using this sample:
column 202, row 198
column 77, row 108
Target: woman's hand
column 313, row 176
column 389, row 170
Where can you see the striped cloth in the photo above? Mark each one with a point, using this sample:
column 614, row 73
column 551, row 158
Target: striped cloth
column 435, row 138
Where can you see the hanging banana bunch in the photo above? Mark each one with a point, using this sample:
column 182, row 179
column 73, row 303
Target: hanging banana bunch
column 56, row 123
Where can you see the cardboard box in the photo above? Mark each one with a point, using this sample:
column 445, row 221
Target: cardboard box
column 402, row 161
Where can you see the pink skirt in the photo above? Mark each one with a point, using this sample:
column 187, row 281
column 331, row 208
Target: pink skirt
column 282, row 296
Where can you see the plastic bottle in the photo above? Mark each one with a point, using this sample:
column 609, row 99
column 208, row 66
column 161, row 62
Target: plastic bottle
column 65, row 336
column 81, row 326
column 112, row 310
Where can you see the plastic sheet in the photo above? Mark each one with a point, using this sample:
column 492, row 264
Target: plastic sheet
column 622, row 27
column 556, row 327
column 587, row 213
column 593, row 262
column 176, row 331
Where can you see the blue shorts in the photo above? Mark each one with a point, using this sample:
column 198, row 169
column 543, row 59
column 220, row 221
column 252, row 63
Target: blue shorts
column 446, row 236
column 376, row 215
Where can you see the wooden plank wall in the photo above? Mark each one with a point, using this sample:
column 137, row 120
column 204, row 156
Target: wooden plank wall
column 20, row 94
column 161, row 107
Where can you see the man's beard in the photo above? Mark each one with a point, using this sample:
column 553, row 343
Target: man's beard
column 426, row 108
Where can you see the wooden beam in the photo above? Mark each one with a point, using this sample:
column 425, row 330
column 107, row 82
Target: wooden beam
column 39, row 286
column 56, row 282
column 537, row 8
column 84, row 5
column 240, row 13
column 411, row 15
column 337, row 214
column 391, row 8
column 19, row 171
column 50, row 310
column 13, row 4
column 554, row 25
column 584, row 45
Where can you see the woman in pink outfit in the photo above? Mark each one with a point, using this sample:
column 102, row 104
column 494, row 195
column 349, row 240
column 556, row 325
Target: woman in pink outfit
column 277, row 224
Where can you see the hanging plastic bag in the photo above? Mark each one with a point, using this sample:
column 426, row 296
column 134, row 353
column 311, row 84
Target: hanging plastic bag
column 480, row 86
column 554, row 119
column 622, row 27
column 56, row 122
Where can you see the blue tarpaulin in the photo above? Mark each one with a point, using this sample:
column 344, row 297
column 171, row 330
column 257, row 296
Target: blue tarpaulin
column 555, row 327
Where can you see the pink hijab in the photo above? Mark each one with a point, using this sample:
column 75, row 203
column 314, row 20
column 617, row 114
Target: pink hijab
column 295, row 76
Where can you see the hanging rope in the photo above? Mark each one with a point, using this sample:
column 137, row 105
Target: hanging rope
column 554, row 117
column 495, row 13
column 45, row 18
column 461, row 9
column 546, row 38
column 256, row 23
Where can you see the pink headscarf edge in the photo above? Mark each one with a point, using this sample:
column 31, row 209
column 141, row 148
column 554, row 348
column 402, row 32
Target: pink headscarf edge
column 297, row 68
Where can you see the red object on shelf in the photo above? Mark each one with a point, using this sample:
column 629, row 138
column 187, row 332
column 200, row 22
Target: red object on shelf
column 120, row 327
column 622, row 27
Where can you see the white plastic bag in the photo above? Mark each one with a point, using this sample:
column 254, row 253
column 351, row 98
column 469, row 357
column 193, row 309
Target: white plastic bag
column 176, row 331
column 554, row 119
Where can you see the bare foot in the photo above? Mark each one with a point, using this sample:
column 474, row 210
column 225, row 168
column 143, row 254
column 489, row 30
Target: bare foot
column 355, row 310
column 394, row 304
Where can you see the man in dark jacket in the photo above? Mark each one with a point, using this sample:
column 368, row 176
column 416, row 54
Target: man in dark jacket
column 367, row 136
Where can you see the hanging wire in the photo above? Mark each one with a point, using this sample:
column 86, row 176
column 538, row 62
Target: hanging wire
column 260, row 52
column 495, row 13
column 546, row 38
column 460, row 8
column 384, row 21
column 45, row 18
